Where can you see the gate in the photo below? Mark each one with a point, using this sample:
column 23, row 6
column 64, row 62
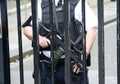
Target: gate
column 4, row 43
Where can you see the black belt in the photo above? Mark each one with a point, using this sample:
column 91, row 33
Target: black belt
column 48, row 60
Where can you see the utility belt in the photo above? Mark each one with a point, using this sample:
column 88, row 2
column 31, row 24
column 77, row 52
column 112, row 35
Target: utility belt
column 44, row 58
column 61, row 60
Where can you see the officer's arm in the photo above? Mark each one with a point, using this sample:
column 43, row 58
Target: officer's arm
column 27, row 30
column 43, row 41
column 90, row 37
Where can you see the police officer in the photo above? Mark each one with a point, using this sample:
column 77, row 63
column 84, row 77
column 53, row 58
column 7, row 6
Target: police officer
column 44, row 42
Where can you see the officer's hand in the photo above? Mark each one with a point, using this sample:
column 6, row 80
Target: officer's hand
column 43, row 41
column 76, row 69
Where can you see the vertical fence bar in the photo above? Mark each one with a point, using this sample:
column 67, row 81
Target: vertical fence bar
column 67, row 40
column 34, row 4
column 20, row 42
column 5, row 43
column 2, row 80
column 84, row 39
column 118, row 41
column 1, row 53
column 51, row 4
column 101, row 42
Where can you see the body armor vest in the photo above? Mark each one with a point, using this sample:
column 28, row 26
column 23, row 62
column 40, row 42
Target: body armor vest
column 75, row 25
column 60, row 17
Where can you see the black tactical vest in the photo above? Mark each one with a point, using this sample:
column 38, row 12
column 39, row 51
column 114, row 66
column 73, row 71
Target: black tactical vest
column 75, row 25
column 60, row 17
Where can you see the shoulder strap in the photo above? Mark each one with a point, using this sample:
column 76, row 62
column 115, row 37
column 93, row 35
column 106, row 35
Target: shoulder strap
column 55, row 15
column 27, row 22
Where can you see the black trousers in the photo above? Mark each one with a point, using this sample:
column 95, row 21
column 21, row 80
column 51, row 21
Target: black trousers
column 60, row 74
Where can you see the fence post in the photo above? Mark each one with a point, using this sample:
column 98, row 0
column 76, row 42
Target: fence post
column 84, row 40
column 101, row 42
column 4, row 45
column 118, row 42
column 1, row 61
column 20, row 42
column 67, row 40
column 34, row 4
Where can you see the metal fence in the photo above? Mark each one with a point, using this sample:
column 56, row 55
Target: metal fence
column 4, row 43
